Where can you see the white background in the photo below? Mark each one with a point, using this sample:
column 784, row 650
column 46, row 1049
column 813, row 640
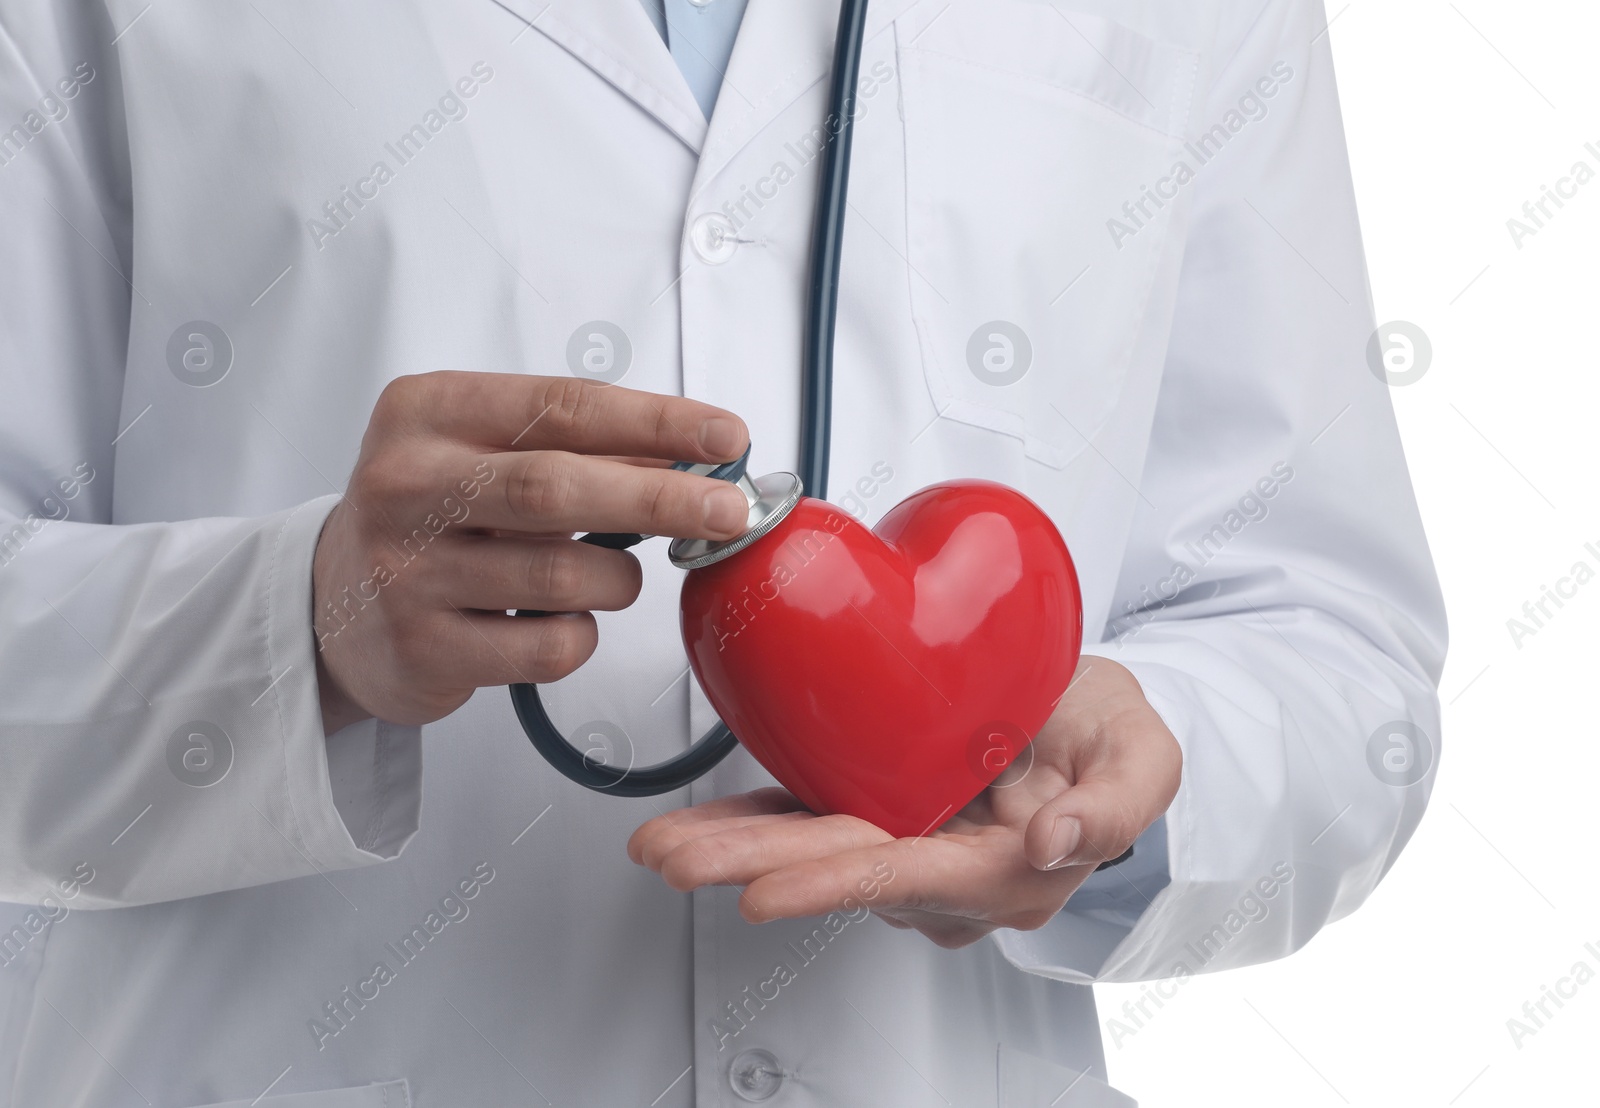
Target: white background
column 1457, row 114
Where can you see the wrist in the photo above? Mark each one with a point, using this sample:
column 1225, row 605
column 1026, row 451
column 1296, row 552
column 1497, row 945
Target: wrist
column 339, row 710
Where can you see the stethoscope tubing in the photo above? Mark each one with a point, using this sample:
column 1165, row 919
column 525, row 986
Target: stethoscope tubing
column 827, row 248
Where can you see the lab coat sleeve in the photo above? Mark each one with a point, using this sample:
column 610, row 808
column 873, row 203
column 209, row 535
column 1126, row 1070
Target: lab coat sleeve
column 1277, row 601
column 160, row 734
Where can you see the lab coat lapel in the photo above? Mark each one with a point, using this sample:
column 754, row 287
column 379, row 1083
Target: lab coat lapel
column 784, row 48
column 615, row 39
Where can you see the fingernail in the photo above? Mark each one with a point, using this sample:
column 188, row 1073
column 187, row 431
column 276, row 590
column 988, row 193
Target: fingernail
column 1064, row 838
column 726, row 510
column 719, row 437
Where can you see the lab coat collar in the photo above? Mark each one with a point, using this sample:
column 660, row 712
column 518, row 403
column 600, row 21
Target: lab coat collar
column 784, row 48
column 616, row 40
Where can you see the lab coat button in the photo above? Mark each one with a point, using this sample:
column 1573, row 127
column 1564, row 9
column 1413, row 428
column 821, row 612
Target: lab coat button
column 713, row 238
column 755, row 1075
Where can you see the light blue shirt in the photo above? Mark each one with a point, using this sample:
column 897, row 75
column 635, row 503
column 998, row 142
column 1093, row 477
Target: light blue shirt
column 700, row 37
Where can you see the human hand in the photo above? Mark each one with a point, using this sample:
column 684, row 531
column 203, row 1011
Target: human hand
column 462, row 506
column 1102, row 769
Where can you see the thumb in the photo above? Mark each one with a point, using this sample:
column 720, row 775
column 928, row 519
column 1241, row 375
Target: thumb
column 1100, row 816
column 1088, row 824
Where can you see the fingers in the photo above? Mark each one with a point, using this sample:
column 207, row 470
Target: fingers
column 952, row 889
column 676, row 827
column 882, row 874
column 943, row 876
column 550, row 490
column 548, row 575
column 478, row 649
column 1123, row 786
column 405, row 601
column 510, row 412
column 655, row 851
column 793, row 864
column 739, row 855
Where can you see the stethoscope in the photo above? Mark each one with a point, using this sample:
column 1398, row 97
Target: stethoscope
column 770, row 497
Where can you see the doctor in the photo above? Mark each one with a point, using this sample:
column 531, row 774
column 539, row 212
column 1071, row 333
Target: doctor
column 269, row 831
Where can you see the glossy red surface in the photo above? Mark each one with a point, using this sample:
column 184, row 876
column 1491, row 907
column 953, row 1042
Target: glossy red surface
column 890, row 673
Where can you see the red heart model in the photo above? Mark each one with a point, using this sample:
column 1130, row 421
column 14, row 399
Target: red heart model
column 890, row 674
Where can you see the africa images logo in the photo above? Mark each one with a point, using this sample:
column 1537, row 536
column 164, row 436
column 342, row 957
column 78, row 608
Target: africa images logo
column 451, row 107
column 342, row 1010
column 1250, row 108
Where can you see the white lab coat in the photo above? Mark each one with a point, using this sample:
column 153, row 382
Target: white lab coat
column 194, row 943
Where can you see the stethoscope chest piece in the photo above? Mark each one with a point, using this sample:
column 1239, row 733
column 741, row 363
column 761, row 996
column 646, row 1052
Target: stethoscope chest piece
column 770, row 499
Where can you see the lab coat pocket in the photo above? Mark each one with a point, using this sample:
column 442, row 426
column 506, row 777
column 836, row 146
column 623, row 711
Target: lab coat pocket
column 389, row 1094
column 1027, row 131
column 1029, row 1082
